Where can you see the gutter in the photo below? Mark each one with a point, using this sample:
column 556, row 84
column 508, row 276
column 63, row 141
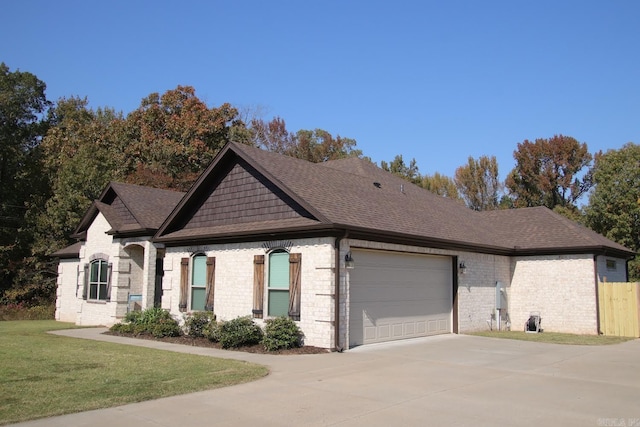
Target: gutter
column 595, row 271
column 336, row 320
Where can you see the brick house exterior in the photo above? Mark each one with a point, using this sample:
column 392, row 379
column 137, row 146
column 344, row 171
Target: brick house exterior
column 261, row 234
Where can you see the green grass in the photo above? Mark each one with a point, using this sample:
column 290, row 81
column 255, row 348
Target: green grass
column 554, row 337
column 43, row 375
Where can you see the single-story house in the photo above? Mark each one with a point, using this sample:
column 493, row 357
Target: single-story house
column 354, row 254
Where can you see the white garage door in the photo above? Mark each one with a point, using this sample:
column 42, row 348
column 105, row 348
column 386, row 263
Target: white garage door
column 397, row 295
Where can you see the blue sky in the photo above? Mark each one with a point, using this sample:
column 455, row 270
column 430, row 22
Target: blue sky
column 435, row 81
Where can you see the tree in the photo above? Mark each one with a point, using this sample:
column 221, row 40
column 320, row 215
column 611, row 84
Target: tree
column 478, row 183
column 273, row 136
column 80, row 158
column 312, row 145
column 440, row 185
column 171, row 139
column 320, row 146
column 23, row 105
column 547, row 172
column 614, row 204
column 399, row 168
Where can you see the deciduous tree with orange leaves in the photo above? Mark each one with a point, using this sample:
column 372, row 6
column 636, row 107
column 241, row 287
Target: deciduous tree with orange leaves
column 550, row 172
column 171, row 138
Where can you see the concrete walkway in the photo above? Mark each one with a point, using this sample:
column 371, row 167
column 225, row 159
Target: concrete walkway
column 447, row 380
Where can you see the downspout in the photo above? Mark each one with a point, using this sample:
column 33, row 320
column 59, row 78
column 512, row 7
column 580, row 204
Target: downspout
column 336, row 320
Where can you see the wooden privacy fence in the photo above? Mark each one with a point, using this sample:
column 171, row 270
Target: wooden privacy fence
column 619, row 306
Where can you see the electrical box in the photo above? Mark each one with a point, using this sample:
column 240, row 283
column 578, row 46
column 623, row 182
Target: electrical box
column 134, row 303
column 500, row 298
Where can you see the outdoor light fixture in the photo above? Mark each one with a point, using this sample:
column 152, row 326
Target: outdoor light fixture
column 462, row 267
column 348, row 261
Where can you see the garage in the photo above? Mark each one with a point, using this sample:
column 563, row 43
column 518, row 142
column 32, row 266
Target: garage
column 395, row 295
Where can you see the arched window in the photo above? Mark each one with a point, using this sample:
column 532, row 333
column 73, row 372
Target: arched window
column 199, row 282
column 278, row 286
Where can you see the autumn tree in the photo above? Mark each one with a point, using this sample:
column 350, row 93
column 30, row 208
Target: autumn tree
column 23, row 107
column 320, row 146
column 441, row 185
column 478, row 183
column 548, row 172
column 273, row 135
column 171, row 138
column 312, row 145
column 614, row 204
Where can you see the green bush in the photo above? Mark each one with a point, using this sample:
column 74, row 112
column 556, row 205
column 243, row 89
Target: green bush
column 122, row 328
column 133, row 317
column 196, row 323
column 154, row 321
column 212, row 331
column 152, row 316
column 281, row 333
column 239, row 332
column 165, row 328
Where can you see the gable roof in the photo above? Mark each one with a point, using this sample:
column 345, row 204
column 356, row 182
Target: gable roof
column 130, row 209
column 250, row 193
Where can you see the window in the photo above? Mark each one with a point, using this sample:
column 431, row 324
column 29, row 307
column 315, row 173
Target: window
column 611, row 264
column 278, row 287
column 198, row 286
column 199, row 282
column 98, row 280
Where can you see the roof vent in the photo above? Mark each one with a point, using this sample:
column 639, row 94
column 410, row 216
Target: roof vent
column 377, row 184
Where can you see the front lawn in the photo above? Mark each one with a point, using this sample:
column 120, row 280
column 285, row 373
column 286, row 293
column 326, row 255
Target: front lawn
column 554, row 337
column 44, row 375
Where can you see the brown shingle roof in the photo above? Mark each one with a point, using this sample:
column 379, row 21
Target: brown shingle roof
column 149, row 206
column 71, row 251
column 541, row 229
column 354, row 194
column 367, row 197
column 131, row 208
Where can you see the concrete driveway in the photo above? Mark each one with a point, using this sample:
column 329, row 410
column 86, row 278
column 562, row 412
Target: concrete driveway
column 451, row 380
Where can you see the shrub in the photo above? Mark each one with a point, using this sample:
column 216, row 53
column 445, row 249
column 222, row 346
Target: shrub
column 21, row 311
column 133, row 317
column 41, row 312
column 122, row 328
column 281, row 333
column 154, row 315
column 196, row 323
column 212, row 331
column 165, row 328
column 139, row 329
column 154, row 321
column 239, row 332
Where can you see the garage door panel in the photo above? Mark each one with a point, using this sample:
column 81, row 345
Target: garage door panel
column 402, row 309
column 396, row 296
column 420, row 287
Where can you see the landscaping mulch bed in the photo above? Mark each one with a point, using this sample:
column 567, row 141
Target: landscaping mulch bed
column 204, row 342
